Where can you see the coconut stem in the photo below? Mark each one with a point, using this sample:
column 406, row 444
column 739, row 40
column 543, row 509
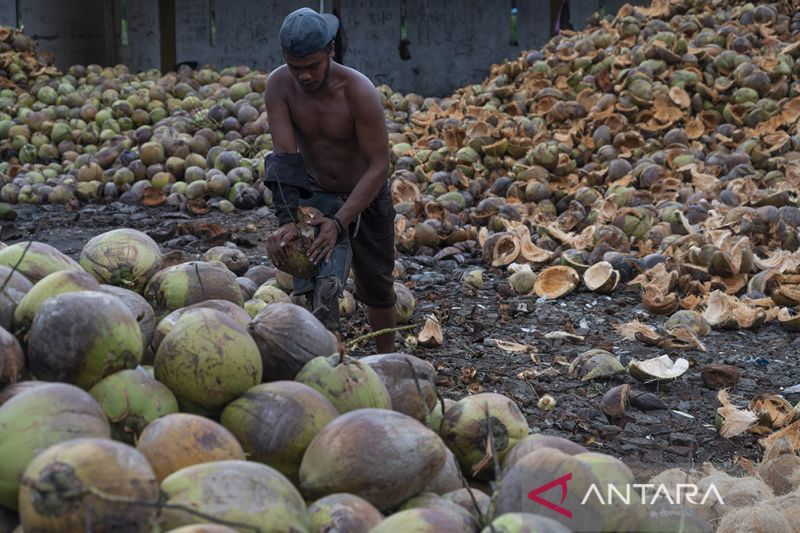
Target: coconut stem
column 199, row 281
column 14, row 268
column 465, row 484
column 368, row 336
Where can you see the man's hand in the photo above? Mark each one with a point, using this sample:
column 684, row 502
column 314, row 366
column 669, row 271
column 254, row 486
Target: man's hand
column 322, row 247
column 278, row 240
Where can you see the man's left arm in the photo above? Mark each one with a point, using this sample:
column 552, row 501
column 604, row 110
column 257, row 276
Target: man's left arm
column 374, row 145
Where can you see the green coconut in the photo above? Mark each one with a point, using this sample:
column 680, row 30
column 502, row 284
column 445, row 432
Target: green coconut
column 203, row 528
column 539, row 440
column 405, row 303
column 57, row 491
column 144, row 314
column 275, row 423
column 16, row 287
column 178, row 440
column 81, row 337
column 524, row 523
column 421, row 520
column 123, row 257
column 429, row 500
column 404, row 377
column 60, row 282
column 343, row 512
column 190, row 283
column 434, row 418
column 132, row 399
column 467, row 425
column 37, row 261
column 37, row 417
column 540, row 468
column 254, row 306
column 288, row 336
column 382, row 456
column 12, row 359
column 348, row 383
column 165, row 325
column 269, row 293
column 233, row 258
column 207, row 360
column 236, row 491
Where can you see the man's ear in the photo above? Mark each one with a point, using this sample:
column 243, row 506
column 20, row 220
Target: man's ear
column 332, row 51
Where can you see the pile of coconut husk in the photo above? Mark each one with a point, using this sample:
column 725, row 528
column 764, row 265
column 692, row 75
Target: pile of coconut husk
column 658, row 148
column 20, row 61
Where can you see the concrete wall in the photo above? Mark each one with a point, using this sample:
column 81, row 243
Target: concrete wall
column 247, row 31
column 452, row 42
column 75, row 31
column 8, row 13
column 142, row 51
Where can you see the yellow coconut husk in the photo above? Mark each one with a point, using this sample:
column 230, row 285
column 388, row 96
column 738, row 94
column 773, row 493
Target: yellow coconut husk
column 431, row 334
column 788, row 295
column 556, row 281
column 601, row 277
column 658, row 302
column 501, row 249
column 735, row 421
column 528, row 250
column 635, row 330
column 404, row 191
column 790, row 433
column 773, row 410
column 780, row 472
column 788, row 319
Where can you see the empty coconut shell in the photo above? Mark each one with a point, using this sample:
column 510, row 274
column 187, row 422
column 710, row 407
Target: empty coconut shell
column 556, row 281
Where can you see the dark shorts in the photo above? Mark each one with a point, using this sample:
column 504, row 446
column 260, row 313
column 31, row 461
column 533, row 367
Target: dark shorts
column 372, row 240
column 370, row 251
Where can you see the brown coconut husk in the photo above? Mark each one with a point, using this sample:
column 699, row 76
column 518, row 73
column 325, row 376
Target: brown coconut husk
column 760, row 518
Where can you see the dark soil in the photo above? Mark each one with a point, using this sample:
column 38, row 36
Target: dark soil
column 470, row 361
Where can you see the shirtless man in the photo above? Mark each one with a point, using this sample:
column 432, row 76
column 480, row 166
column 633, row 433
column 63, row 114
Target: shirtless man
column 331, row 151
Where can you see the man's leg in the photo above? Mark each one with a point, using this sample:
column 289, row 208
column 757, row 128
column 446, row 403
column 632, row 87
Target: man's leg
column 326, row 302
column 383, row 318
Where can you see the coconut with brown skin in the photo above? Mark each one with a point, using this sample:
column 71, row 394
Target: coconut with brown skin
column 382, row 456
column 343, row 512
column 535, row 441
column 404, row 377
column 275, row 422
column 468, row 498
column 12, row 359
column 466, row 427
column 524, row 523
column 16, row 287
column 190, row 283
column 421, row 520
column 233, row 258
column 449, row 477
column 81, row 337
column 139, row 307
column 428, row 500
column 65, row 487
column 179, row 440
column 288, row 336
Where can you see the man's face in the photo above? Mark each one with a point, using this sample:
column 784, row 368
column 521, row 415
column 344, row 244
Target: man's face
column 310, row 71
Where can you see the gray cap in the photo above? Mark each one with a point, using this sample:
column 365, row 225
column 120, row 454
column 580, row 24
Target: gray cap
column 305, row 32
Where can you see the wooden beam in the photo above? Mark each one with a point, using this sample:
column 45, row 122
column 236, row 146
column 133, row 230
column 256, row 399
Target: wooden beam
column 166, row 29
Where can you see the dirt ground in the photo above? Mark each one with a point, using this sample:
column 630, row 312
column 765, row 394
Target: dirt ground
column 471, row 360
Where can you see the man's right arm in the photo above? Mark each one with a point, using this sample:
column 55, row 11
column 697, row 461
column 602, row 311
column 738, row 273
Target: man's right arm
column 284, row 147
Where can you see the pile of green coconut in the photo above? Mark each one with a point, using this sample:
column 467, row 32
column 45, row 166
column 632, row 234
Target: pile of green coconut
column 141, row 396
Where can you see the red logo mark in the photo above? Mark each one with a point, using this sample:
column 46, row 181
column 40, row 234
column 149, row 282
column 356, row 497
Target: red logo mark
column 562, row 482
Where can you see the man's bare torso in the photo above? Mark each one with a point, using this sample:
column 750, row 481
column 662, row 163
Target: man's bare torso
column 324, row 126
